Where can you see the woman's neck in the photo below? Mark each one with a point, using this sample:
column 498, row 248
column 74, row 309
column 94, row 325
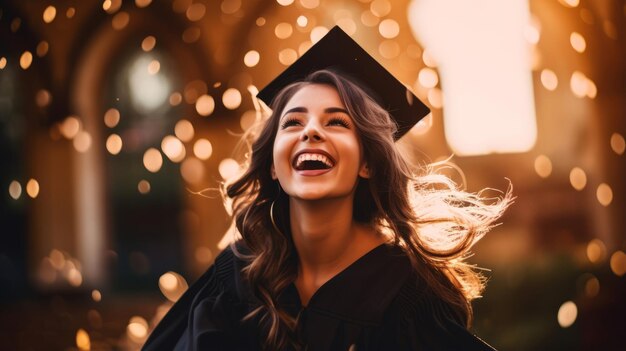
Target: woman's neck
column 327, row 240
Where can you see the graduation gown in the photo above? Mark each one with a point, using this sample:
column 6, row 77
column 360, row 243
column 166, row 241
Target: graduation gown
column 376, row 303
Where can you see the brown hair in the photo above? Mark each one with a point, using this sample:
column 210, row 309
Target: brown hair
column 427, row 215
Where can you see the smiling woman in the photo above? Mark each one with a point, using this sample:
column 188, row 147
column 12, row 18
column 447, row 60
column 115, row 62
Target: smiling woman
column 337, row 250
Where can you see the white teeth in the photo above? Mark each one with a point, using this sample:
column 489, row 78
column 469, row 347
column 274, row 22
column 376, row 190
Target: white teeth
column 313, row 157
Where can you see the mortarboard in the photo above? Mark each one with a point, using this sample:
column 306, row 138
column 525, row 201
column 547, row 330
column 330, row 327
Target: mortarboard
column 338, row 52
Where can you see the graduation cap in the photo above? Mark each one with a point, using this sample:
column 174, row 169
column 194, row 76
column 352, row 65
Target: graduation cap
column 338, row 52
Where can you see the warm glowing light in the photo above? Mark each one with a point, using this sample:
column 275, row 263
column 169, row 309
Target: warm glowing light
column 152, row 160
column 543, row 166
column 153, row 67
column 428, row 78
column 389, row 28
column 596, row 251
column 3, row 62
column 82, row 340
column 284, row 2
column 74, row 277
column 203, row 149
column 567, row 314
column 248, row 119
column 192, row 170
column 49, row 14
column 260, row 21
column 423, row 126
column 578, row 42
column 549, row 79
column 42, row 48
column 70, row 127
column 230, row 7
column 604, row 193
column 474, row 67
column 191, row 35
column 173, row 148
column 15, row 190
column 114, row 144
column 570, row 3
column 137, row 329
column 175, row 99
column 184, row 130
column 96, row 295
column 618, row 263
column 532, row 32
column 618, row 144
column 304, row 47
column 142, row 3
column 70, row 12
column 592, row 90
column 428, row 59
column 120, row 20
column 195, row 12
column 347, row 25
column 380, row 8
column 578, row 178
column 172, row 285
column 578, row 84
column 82, row 141
column 111, row 117
column 228, row 168
column 435, row 98
column 318, row 33
column 143, row 186
column 57, row 259
column 592, row 287
column 43, row 98
column 231, row 98
column 251, row 58
column 287, row 56
column 32, row 188
column 205, row 105
column 26, row 59
column 369, row 19
column 106, row 5
column 148, row 90
column 302, row 21
column 389, row 49
column 148, row 43
column 283, row 30
column 310, row 4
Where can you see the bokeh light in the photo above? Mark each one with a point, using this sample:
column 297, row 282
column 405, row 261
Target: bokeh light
column 184, row 130
column 148, row 43
column 618, row 144
column 195, row 12
column 205, row 105
column 567, row 314
column 618, row 263
column 114, row 144
column 287, row 56
column 549, row 80
column 543, row 166
column 82, row 141
column 96, row 295
column 596, row 251
column 578, row 42
column 26, row 59
column 173, row 148
column 283, row 30
column 32, row 188
column 42, row 48
column 203, row 149
column 578, row 178
column 49, row 14
column 604, row 193
column 15, row 189
column 192, row 170
column 137, row 329
column 152, row 160
column 251, row 58
column 111, row 117
column 120, row 20
column 83, row 342
column 389, row 28
column 172, row 285
column 428, row 77
column 380, row 8
column 228, row 168
column 231, row 98
column 143, row 186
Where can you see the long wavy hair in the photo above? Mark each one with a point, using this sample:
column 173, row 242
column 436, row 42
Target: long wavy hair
column 422, row 211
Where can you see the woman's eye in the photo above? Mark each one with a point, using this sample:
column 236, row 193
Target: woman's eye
column 339, row 122
column 290, row 123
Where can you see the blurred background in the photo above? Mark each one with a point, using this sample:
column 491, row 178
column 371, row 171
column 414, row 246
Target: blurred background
column 115, row 114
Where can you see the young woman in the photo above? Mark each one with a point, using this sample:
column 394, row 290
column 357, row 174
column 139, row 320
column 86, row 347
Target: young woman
column 344, row 246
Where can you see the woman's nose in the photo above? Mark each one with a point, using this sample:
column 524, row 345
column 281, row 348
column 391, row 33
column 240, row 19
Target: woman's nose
column 312, row 133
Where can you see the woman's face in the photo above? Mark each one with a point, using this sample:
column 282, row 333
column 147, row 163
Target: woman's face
column 317, row 153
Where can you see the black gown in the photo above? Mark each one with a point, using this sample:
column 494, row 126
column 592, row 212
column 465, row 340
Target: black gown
column 376, row 303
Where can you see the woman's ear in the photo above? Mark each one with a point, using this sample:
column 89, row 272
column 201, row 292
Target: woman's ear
column 273, row 172
column 364, row 172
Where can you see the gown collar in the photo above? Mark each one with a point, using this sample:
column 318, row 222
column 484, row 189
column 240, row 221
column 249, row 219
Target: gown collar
column 361, row 292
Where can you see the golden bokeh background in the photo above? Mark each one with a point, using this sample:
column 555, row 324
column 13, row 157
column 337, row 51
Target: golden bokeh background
column 119, row 117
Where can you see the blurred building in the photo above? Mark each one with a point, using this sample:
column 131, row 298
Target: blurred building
column 119, row 119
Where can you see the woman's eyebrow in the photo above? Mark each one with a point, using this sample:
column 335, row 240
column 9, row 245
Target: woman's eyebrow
column 335, row 109
column 326, row 110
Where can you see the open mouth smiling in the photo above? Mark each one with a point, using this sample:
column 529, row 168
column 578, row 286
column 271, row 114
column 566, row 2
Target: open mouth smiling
column 310, row 161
